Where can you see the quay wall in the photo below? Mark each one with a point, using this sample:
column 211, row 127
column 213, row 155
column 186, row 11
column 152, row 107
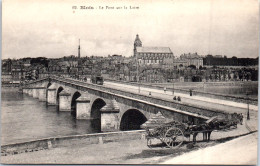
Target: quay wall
column 86, row 139
column 10, row 86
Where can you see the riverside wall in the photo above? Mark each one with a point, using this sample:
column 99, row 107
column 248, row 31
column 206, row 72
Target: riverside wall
column 86, row 139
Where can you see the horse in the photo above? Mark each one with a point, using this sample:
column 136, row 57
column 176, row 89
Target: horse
column 237, row 117
column 207, row 130
column 214, row 124
column 194, row 130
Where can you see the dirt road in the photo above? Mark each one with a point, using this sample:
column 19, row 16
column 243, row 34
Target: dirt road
column 242, row 151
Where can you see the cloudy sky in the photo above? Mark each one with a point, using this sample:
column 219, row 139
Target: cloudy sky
column 51, row 28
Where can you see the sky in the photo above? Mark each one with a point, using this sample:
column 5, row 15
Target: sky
column 52, row 28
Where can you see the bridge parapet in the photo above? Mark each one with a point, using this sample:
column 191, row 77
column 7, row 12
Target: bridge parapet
column 139, row 99
column 35, row 82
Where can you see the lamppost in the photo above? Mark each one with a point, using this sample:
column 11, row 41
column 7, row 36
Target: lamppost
column 204, row 85
column 190, row 92
column 172, row 75
column 248, row 117
column 78, row 60
column 172, row 86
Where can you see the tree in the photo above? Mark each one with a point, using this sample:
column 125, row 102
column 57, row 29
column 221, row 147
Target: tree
column 235, row 76
column 192, row 66
column 68, row 69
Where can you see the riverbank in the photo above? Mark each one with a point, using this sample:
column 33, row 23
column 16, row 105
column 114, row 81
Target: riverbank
column 130, row 151
column 57, row 142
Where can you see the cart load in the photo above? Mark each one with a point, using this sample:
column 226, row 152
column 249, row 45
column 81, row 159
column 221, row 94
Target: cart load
column 174, row 133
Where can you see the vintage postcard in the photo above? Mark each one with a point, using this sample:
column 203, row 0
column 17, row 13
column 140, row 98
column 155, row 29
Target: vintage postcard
column 129, row 82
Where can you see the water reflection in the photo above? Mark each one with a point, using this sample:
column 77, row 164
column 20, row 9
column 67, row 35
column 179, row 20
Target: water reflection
column 24, row 118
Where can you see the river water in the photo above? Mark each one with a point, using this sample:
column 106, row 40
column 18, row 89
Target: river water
column 24, row 118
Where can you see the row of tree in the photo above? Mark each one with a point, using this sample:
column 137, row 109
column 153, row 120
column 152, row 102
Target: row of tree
column 224, row 61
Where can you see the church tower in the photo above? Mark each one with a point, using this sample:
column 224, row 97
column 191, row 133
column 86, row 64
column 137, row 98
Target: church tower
column 137, row 43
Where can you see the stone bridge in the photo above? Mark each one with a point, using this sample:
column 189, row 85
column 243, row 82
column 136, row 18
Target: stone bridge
column 112, row 109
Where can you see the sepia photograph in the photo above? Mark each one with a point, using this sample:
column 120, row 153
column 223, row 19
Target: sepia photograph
column 129, row 82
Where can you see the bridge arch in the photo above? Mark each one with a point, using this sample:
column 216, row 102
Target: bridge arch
column 96, row 114
column 132, row 119
column 58, row 94
column 75, row 96
column 48, row 85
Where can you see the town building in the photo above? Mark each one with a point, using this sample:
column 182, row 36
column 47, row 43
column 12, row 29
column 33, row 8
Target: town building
column 7, row 65
column 152, row 75
column 192, row 59
column 179, row 63
column 6, row 77
column 17, row 73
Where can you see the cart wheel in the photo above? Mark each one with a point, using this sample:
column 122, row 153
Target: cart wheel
column 174, row 137
column 149, row 142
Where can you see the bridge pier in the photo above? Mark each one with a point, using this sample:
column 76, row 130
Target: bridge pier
column 83, row 108
column 30, row 92
column 51, row 98
column 35, row 92
column 25, row 90
column 110, row 117
column 42, row 93
column 64, row 101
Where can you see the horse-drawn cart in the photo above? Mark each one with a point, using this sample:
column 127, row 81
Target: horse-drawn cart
column 173, row 134
column 170, row 133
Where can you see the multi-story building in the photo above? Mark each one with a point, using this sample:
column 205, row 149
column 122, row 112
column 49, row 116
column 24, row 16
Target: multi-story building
column 192, row 59
column 17, row 73
column 152, row 75
column 7, row 65
column 179, row 63
column 6, row 77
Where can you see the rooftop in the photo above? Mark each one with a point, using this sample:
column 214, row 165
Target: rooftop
column 154, row 49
